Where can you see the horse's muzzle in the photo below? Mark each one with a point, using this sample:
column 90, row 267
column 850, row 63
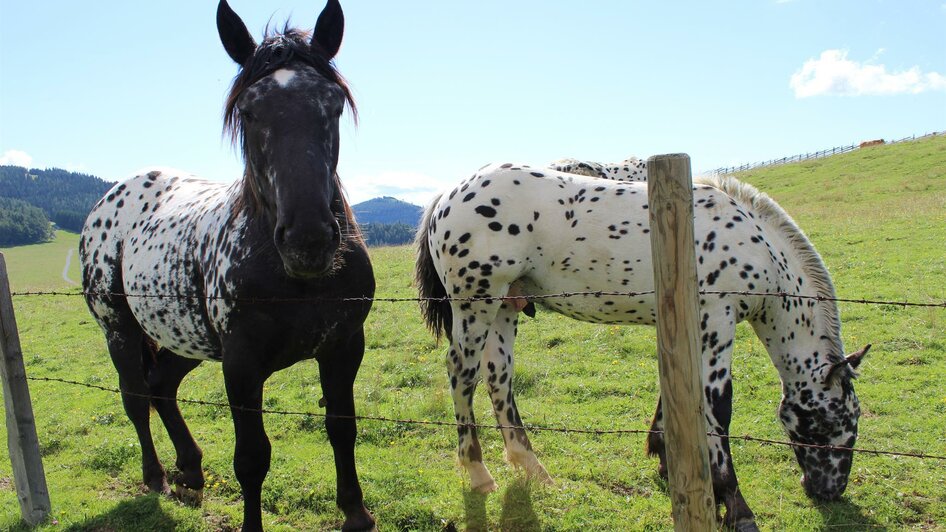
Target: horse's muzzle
column 823, row 491
column 308, row 254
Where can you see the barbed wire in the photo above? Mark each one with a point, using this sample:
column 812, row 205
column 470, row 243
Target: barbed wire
column 595, row 293
column 454, row 424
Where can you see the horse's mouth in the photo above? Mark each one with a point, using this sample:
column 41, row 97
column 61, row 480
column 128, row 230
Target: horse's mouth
column 306, row 268
column 823, row 494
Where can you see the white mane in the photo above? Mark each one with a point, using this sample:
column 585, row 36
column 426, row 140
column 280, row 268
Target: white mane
column 768, row 211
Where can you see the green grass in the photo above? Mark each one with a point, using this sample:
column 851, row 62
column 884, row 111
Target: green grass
column 39, row 266
column 878, row 216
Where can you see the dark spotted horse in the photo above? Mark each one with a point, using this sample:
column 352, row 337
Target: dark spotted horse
column 513, row 232
column 207, row 258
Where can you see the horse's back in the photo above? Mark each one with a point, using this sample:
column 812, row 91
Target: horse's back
column 551, row 233
column 146, row 237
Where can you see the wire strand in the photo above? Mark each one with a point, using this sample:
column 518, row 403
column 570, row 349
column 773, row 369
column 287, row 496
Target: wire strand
column 596, row 293
column 534, row 428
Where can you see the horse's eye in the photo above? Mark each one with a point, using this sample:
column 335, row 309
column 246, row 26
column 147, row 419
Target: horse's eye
column 247, row 116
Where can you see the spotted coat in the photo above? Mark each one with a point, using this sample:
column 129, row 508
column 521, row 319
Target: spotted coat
column 178, row 270
column 539, row 232
column 631, row 169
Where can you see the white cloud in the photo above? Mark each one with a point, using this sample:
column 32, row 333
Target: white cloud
column 16, row 158
column 412, row 187
column 834, row 74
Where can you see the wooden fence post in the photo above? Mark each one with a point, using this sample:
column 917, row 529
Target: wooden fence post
column 670, row 190
column 28, row 474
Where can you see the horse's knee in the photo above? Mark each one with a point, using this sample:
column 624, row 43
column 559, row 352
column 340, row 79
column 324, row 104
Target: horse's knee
column 251, row 463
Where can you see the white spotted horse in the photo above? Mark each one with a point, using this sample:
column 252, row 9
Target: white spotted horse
column 510, row 230
column 248, row 273
column 631, row 169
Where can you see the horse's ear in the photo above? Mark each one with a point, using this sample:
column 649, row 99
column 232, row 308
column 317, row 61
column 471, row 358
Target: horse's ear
column 329, row 29
column 235, row 37
column 852, row 361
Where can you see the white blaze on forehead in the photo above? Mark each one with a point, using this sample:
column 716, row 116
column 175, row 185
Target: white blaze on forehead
column 283, row 76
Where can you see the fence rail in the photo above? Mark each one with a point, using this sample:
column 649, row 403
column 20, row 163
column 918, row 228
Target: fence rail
column 813, row 155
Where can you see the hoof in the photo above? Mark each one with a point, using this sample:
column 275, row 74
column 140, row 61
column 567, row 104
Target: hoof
column 747, row 525
column 486, row 487
column 540, row 474
column 480, row 479
column 188, row 496
column 361, row 521
column 159, row 486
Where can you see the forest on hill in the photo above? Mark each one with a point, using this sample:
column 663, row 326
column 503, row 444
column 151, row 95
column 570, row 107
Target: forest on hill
column 62, row 197
column 32, row 198
column 22, row 223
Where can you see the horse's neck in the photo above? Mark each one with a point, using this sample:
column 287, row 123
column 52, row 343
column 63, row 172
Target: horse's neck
column 799, row 338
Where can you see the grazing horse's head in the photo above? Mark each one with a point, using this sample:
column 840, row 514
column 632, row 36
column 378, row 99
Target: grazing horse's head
column 825, row 413
column 284, row 107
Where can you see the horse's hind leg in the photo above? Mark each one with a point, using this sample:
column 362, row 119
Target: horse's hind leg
column 471, row 325
column 164, row 377
column 498, row 359
column 128, row 348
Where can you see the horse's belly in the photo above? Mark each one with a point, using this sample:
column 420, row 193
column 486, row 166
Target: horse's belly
column 596, row 301
column 165, row 295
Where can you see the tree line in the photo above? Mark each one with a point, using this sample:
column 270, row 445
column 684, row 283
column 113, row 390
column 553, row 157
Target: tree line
column 22, row 223
column 55, row 195
column 387, row 234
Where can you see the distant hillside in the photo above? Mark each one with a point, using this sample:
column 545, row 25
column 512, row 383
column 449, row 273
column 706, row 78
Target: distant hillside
column 387, row 221
column 65, row 197
column 387, row 210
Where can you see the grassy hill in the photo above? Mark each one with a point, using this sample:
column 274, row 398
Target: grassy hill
column 878, row 217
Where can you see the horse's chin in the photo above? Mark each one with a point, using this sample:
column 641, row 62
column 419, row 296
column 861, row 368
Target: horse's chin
column 309, row 269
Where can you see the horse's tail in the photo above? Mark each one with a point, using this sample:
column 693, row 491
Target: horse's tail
column 433, row 295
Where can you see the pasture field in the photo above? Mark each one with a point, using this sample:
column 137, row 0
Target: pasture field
column 878, row 217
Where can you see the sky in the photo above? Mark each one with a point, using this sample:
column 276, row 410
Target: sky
column 444, row 87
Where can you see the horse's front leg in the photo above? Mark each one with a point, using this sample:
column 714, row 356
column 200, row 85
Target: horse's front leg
column 499, row 361
column 471, row 324
column 164, row 378
column 244, row 380
column 717, row 341
column 337, row 373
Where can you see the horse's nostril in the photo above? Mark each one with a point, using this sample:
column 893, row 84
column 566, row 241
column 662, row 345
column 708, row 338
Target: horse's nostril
column 280, row 235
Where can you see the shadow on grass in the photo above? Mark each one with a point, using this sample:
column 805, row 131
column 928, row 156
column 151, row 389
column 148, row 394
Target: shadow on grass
column 840, row 515
column 517, row 512
column 140, row 513
column 845, row 515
